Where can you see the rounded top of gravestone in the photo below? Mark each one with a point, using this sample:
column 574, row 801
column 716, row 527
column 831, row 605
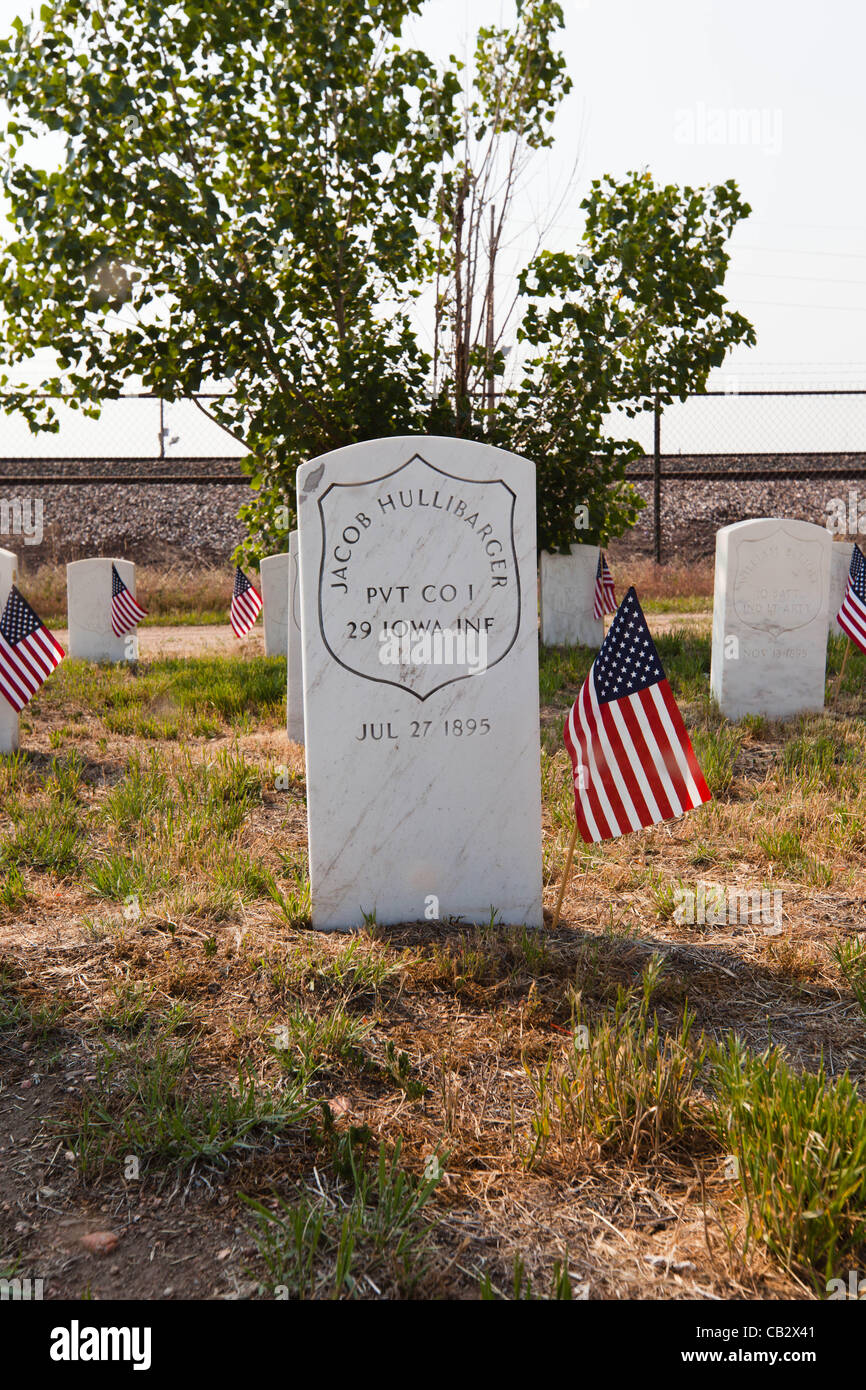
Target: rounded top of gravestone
column 764, row 525
column 97, row 560
column 391, row 453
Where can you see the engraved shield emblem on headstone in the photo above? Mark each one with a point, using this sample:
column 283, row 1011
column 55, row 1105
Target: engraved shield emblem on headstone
column 418, row 582
column 778, row 583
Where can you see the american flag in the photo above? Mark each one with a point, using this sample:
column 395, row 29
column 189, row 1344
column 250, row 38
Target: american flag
column 246, row 604
column 28, row 651
column 852, row 615
column 605, row 596
column 125, row 612
column 633, row 762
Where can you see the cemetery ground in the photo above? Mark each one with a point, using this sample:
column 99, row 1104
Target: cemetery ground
column 200, row 1097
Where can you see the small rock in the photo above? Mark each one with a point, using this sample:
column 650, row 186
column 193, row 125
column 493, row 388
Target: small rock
column 99, row 1242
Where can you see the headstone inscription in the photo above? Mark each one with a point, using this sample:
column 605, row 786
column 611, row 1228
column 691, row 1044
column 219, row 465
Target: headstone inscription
column 770, row 617
column 88, row 602
column 295, row 675
column 274, row 572
column 567, row 598
column 420, row 668
column 840, row 564
column 8, row 716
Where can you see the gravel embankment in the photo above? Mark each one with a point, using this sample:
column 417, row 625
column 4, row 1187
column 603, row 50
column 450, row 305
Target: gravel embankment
column 149, row 523
column 693, row 511
column 161, row 522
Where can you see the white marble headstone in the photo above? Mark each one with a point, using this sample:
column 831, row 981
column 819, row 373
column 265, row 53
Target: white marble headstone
column 274, row 572
column 840, row 564
column 568, row 598
column 770, row 618
column 423, row 786
column 8, row 716
column 295, row 690
column 88, row 603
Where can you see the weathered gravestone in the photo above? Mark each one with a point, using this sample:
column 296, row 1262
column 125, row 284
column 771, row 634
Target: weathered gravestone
column 88, row 603
column 770, row 617
column 8, row 716
column 420, row 659
column 840, row 564
column 274, row 572
column 295, row 691
column 567, row 598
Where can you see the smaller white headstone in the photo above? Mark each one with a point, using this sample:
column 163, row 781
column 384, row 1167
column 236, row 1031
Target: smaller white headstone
column 568, row 598
column 274, row 571
column 840, row 564
column 770, row 618
column 8, row 716
column 295, row 691
column 88, row 602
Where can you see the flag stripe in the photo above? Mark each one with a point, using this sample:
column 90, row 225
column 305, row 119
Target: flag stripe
column 852, row 618
column 623, row 791
column 662, row 762
column 587, row 803
column 681, row 745
column 17, row 691
column 125, row 613
column 26, row 665
column 592, row 791
column 630, row 798
column 636, row 755
column 19, row 676
column 599, row 781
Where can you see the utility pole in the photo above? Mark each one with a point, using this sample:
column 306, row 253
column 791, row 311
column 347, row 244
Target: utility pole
column 657, row 481
column 490, row 340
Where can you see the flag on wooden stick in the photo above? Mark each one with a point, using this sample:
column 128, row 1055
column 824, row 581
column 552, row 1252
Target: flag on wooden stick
column 605, row 595
column 246, row 604
column 633, row 761
column 28, row 651
column 852, row 615
column 125, row 612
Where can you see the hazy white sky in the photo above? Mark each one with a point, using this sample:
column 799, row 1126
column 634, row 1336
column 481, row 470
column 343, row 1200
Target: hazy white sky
column 769, row 93
column 666, row 85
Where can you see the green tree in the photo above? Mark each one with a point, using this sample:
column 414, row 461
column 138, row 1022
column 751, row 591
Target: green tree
column 637, row 315
column 254, row 194
column 241, row 193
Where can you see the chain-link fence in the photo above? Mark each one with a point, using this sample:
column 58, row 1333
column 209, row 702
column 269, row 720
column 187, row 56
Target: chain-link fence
column 150, row 474
column 153, row 480
column 724, row 456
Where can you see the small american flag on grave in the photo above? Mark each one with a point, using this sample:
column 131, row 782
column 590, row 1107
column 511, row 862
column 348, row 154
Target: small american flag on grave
column 126, row 613
column 633, row 761
column 28, row 651
column 605, row 594
column 852, row 615
column 246, row 605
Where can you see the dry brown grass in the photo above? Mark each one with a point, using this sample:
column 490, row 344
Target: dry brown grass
column 175, row 591
column 667, row 581
column 429, row 1033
